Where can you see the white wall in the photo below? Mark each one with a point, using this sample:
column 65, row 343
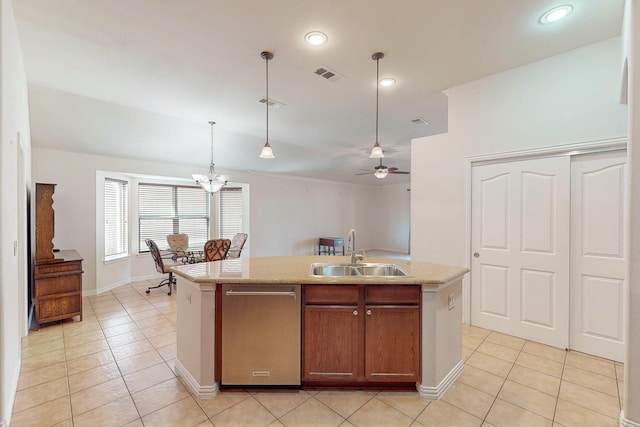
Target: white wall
column 392, row 218
column 287, row 214
column 568, row 98
column 14, row 121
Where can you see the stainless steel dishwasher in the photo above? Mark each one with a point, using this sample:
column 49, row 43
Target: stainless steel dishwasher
column 260, row 335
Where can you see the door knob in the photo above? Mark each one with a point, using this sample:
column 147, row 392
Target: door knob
column 476, row 255
column 355, row 312
column 368, row 312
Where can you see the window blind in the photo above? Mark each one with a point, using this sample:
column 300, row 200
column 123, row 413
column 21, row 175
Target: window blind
column 230, row 212
column 116, row 228
column 169, row 209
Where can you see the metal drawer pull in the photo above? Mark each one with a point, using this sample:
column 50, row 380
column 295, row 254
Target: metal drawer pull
column 355, row 312
column 231, row 292
column 368, row 312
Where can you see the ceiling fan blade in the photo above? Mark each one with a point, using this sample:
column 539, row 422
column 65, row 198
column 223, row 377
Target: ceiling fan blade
column 399, row 172
column 365, row 173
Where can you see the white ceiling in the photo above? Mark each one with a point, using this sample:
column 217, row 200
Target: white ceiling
column 141, row 78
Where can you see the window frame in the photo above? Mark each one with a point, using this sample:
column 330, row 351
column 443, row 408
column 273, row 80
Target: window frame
column 122, row 217
column 246, row 215
column 175, row 218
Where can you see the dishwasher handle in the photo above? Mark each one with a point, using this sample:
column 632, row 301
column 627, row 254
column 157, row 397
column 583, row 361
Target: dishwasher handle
column 231, row 292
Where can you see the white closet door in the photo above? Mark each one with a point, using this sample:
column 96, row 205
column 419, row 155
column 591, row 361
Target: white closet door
column 597, row 260
column 520, row 244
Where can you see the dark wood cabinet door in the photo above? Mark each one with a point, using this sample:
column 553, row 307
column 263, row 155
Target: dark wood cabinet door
column 392, row 343
column 333, row 343
column 45, row 221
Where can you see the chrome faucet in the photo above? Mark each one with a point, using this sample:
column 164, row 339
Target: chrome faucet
column 351, row 246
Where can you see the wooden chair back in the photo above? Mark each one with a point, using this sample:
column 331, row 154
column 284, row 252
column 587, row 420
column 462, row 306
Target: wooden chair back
column 216, row 249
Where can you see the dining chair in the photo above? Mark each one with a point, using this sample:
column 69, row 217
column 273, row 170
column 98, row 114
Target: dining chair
column 216, row 249
column 178, row 243
column 237, row 243
column 161, row 267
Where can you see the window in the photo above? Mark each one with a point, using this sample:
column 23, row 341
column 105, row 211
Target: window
column 116, row 228
column 230, row 212
column 169, row 209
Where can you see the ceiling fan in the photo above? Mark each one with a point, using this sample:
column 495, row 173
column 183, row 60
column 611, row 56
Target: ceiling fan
column 382, row 171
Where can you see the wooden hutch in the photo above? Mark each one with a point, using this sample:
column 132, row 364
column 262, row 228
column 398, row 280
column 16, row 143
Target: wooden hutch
column 57, row 288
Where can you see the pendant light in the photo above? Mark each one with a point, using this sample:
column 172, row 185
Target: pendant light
column 376, row 151
column 267, row 152
column 211, row 182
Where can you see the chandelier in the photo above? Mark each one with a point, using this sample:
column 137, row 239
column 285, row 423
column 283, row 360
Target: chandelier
column 211, row 182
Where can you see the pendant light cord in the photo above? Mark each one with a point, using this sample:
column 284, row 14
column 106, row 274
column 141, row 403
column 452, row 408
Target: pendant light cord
column 377, row 96
column 267, row 100
column 212, row 142
column 212, row 123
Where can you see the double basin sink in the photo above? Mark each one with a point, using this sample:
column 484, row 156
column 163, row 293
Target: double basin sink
column 319, row 269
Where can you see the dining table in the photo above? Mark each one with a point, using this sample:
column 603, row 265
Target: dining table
column 187, row 256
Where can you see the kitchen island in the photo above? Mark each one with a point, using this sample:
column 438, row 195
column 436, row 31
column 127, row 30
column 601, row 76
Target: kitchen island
column 358, row 330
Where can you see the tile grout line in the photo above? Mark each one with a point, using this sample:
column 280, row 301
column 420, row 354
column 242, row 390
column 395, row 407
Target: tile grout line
column 70, row 332
column 564, row 364
column 118, row 366
column 484, row 420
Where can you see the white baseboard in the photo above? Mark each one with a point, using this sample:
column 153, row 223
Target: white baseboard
column 156, row 276
column 627, row 423
column 436, row 393
column 111, row 286
column 201, row 392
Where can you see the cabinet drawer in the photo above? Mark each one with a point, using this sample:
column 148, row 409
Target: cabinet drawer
column 332, row 294
column 58, row 285
column 58, row 267
column 393, row 294
column 49, row 309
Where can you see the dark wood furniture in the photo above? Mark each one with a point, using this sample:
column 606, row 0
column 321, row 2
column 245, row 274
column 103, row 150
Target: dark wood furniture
column 57, row 288
column 328, row 245
column 355, row 335
column 45, row 221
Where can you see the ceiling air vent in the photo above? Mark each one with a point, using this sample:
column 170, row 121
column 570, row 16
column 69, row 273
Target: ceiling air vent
column 272, row 102
column 419, row 121
column 328, row 74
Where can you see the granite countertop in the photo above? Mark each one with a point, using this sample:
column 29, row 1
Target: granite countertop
column 295, row 270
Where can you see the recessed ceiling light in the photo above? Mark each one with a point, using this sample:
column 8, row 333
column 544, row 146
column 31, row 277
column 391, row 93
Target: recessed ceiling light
column 315, row 38
column 386, row 82
column 556, row 14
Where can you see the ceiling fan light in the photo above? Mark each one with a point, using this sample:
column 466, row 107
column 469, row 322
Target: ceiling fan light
column 267, row 152
column 381, row 173
column 376, row 152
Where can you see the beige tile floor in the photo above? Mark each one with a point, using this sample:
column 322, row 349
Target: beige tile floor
column 116, row 368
